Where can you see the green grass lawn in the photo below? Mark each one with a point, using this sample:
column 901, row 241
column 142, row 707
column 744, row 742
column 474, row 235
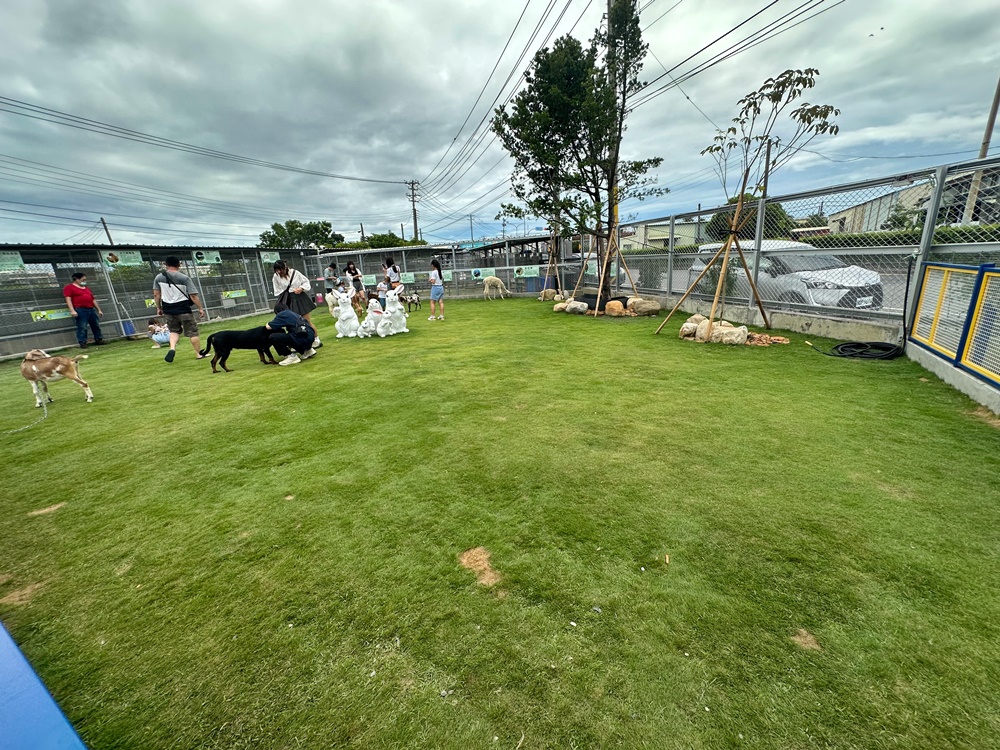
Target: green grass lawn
column 269, row 558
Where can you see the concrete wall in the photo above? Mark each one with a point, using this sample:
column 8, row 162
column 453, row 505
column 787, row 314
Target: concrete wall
column 842, row 329
column 960, row 380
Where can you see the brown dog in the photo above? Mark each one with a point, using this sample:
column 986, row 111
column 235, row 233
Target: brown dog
column 39, row 369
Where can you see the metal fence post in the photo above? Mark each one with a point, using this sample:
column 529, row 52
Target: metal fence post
column 204, row 297
column 926, row 237
column 670, row 257
column 758, row 241
column 114, row 297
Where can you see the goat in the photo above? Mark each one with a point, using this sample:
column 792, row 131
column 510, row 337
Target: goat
column 39, row 369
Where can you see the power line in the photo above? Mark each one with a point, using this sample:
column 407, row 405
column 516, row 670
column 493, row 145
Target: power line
column 488, row 79
column 46, row 114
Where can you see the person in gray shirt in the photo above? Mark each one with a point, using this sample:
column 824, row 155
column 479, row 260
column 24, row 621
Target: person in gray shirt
column 176, row 296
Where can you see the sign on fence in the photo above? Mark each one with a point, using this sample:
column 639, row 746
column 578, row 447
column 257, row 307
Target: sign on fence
column 234, row 293
column 10, row 260
column 268, row 257
column 368, row 279
column 446, row 275
column 37, row 315
column 526, row 272
column 206, row 257
column 407, row 278
column 115, row 258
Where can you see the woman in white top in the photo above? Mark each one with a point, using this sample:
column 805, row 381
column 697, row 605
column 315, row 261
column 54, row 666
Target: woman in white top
column 292, row 288
column 437, row 288
column 392, row 272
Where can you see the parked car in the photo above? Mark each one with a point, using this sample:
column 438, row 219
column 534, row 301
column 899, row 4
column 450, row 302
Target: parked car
column 806, row 278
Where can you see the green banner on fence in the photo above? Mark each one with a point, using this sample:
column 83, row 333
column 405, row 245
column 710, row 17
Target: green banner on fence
column 407, row 278
column 369, row 279
column 233, row 294
column 269, row 257
column 446, row 275
column 526, row 272
column 10, row 260
column 151, row 303
column 115, row 258
column 37, row 315
column 206, row 257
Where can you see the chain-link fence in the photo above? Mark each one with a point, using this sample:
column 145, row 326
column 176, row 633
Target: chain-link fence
column 844, row 251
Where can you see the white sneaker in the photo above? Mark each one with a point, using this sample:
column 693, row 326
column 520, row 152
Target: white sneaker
column 308, row 354
column 440, row 317
column 316, row 344
column 291, row 359
column 431, row 317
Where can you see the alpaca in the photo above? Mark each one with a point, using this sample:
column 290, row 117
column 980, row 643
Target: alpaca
column 491, row 283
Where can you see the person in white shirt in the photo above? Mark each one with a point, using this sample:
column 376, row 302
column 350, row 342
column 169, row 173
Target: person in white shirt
column 392, row 272
column 292, row 288
column 437, row 288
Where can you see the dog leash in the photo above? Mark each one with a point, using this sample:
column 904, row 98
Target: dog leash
column 45, row 413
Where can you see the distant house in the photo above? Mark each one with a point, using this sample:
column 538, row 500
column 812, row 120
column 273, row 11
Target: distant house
column 871, row 215
column 655, row 238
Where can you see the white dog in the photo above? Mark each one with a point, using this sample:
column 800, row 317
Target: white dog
column 491, row 283
column 38, row 368
column 395, row 311
column 369, row 326
column 347, row 320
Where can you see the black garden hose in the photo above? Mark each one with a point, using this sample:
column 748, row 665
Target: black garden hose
column 875, row 349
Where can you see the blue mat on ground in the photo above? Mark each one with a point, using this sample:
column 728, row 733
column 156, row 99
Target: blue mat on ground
column 29, row 717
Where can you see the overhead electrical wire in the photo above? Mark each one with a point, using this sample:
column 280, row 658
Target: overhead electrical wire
column 766, row 33
column 46, row 114
column 482, row 91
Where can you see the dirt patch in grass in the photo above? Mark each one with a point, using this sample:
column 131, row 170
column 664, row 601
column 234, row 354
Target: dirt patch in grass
column 21, row 596
column 43, row 511
column 4, row 578
column 478, row 561
column 987, row 416
column 805, row 639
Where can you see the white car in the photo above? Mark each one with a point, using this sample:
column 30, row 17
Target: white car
column 807, row 278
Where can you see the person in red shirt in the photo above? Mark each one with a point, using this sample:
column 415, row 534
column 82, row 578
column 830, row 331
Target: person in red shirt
column 84, row 308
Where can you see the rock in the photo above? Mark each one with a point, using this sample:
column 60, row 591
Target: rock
column 632, row 301
column 734, row 336
column 646, row 307
column 689, row 330
column 576, row 308
column 559, row 307
column 696, row 318
column 615, row 309
column 702, row 333
column 721, row 332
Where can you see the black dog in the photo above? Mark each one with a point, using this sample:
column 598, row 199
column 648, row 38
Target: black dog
column 226, row 341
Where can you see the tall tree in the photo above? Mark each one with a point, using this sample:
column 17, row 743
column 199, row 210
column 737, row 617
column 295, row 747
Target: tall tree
column 566, row 127
column 296, row 234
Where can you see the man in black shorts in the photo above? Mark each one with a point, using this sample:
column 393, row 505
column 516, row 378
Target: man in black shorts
column 175, row 296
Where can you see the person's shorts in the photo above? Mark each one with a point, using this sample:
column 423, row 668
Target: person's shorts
column 161, row 338
column 184, row 323
column 437, row 292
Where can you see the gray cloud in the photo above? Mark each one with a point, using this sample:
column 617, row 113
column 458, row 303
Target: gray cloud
column 380, row 89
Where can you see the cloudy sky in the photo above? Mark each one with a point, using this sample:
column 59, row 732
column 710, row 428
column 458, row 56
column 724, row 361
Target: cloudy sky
column 388, row 91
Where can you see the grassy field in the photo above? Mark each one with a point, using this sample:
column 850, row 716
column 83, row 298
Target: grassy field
column 270, row 558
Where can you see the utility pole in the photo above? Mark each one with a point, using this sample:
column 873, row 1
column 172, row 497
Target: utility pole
column 402, row 234
column 362, row 232
column 472, row 237
column 110, row 241
column 977, row 178
column 413, row 184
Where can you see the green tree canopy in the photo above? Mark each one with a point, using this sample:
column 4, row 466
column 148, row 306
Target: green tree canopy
column 565, row 128
column 777, row 223
column 296, row 234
